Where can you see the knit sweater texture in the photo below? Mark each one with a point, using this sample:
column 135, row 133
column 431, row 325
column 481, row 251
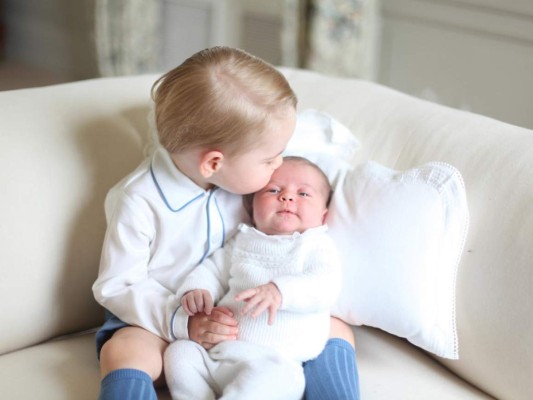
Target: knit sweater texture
column 304, row 266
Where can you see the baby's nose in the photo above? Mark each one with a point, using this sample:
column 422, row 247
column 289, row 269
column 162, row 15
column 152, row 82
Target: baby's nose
column 286, row 197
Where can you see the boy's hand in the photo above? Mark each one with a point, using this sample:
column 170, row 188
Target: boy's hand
column 260, row 299
column 197, row 301
column 209, row 330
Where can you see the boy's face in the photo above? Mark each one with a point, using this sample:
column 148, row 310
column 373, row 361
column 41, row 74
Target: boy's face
column 248, row 172
column 294, row 200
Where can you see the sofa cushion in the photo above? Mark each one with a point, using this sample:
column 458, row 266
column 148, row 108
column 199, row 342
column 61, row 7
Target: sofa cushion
column 389, row 368
column 61, row 370
column 401, row 235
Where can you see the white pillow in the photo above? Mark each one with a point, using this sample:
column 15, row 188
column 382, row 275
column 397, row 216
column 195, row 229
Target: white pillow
column 323, row 140
column 400, row 235
column 317, row 132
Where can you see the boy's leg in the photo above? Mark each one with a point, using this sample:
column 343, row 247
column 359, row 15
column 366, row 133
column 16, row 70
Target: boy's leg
column 129, row 363
column 333, row 374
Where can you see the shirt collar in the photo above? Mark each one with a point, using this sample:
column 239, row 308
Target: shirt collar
column 176, row 189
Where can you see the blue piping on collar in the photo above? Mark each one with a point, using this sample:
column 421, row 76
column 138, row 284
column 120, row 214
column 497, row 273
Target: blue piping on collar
column 208, row 247
column 160, row 191
column 163, row 195
column 223, row 224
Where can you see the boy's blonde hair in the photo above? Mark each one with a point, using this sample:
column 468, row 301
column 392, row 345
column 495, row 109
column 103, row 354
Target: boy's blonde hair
column 220, row 98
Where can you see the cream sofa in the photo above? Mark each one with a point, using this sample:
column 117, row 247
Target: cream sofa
column 62, row 147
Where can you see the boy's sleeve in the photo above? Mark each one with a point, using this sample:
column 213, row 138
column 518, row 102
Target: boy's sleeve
column 212, row 275
column 318, row 285
column 124, row 286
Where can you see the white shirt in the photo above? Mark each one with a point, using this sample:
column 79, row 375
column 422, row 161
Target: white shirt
column 304, row 266
column 160, row 225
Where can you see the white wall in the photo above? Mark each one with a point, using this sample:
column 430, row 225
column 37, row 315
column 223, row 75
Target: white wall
column 471, row 54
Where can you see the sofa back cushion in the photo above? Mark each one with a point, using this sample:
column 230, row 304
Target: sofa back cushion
column 61, row 149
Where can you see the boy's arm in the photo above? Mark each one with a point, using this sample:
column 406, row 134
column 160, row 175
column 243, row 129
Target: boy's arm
column 124, row 286
column 212, row 276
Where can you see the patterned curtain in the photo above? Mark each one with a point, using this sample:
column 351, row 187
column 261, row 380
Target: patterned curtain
column 336, row 37
column 127, row 36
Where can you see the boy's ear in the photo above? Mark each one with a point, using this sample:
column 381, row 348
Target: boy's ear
column 210, row 163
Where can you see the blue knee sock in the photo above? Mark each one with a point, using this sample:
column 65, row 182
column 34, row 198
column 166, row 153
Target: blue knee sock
column 333, row 374
column 127, row 384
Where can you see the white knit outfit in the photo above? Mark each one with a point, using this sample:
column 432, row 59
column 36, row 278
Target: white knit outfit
column 265, row 361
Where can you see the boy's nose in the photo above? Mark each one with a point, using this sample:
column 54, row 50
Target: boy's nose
column 286, row 197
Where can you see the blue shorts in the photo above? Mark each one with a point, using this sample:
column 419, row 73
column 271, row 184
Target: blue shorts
column 111, row 325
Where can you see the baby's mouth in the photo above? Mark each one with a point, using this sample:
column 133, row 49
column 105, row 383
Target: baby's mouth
column 286, row 211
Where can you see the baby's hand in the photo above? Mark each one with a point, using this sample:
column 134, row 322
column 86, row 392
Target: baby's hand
column 260, row 299
column 197, row 301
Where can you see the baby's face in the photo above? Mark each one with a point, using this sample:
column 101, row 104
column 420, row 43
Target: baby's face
column 294, row 200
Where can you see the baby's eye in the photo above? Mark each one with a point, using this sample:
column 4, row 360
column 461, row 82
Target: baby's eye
column 275, row 191
column 304, row 194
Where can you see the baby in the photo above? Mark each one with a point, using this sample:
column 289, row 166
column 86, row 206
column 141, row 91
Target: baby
column 285, row 265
